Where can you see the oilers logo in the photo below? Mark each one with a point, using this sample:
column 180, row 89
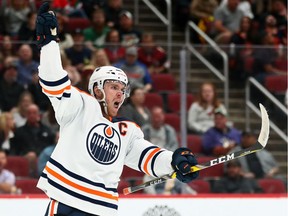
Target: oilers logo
column 103, row 144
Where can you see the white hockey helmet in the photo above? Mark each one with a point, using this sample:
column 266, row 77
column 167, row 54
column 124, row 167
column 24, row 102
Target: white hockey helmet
column 101, row 74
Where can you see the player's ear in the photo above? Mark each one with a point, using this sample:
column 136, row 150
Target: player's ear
column 98, row 93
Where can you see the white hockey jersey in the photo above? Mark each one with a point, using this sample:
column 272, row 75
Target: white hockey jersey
column 84, row 169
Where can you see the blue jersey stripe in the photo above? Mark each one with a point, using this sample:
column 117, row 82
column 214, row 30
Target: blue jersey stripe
column 54, row 83
column 143, row 155
column 78, row 177
column 82, row 197
column 153, row 162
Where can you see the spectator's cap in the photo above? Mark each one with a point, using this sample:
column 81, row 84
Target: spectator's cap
column 132, row 51
column 126, row 13
column 77, row 31
column 220, row 110
column 233, row 163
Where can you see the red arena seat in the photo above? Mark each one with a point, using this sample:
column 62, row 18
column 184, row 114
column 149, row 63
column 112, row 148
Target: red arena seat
column 272, row 185
column 194, row 142
column 153, row 99
column 173, row 120
column 28, row 186
column 76, row 22
column 173, row 100
column 215, row 172
column 18, row 165
column 200, row 186
column 163, row 82
column 276, row 84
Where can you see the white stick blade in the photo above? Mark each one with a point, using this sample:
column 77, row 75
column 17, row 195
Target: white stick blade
column 265, row 126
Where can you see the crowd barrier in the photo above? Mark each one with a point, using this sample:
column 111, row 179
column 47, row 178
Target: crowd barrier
column 139, row 205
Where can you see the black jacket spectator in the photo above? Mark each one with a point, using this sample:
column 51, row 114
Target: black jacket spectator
column 10, row 89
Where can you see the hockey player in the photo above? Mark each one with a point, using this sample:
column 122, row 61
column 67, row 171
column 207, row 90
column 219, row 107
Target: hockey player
column 83, row 172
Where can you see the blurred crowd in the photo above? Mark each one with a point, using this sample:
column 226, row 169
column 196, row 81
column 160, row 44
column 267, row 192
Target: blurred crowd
column 98, row 33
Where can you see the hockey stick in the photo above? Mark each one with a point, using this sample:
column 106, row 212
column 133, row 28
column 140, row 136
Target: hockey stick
column 260, row 144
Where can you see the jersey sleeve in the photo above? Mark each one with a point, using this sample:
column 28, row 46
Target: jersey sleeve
column 147, row 157
column 56, row 85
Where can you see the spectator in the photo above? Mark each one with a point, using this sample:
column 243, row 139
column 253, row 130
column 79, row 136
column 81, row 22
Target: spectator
column 134, row 109
column 44, row 156
column 85, row 76
column 26, row 65
column 264, row 59
column 100, row 58
column 279, row 11
column 153, row 56
column 235, row 182
column 7, row 178
column 8, row 51
column 65, row 38
column 96, row 34
column 243, row 39
column 112, row 11
column 14, row 15
column 78, row 54
column 220, row 139
column 130, row 36
column 270, row 27
column 156, row 131
column 10, row 89
column 73, row 75
column 20, row 112
column 27, row 33
column 114, row 50
column 244, row 5
column 7, row 126
column 137, row 72
column 202, row 14
column 90, row 5
column 35, row 89
column 227, row 20
column 32, row 138
column 201, row 112
column 49, row 119
column 261, row 164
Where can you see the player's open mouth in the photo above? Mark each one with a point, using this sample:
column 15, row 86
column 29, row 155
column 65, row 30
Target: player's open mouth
column 116, row 104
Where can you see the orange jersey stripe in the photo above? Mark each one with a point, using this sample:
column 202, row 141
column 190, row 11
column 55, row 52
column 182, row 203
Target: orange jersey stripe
column 79, row 187
column 149, row 158
column 52, row 208
column 58, row 91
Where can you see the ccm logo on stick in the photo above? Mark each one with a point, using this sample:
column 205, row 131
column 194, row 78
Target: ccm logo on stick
column 222, row 159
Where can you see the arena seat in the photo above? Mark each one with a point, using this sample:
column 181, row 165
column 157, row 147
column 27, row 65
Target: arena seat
column 270, row 185
column 153, row 99
column 173, row 120
column 200, row 186
column 18, row 165
column 194, row 142
column 129, row 174
column 28, row 186
column 173, row 101
column 75, row 22
column 276, row 84
column 163, row 82
column 210, row 173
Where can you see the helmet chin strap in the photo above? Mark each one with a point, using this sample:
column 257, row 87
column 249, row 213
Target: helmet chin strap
column 103, row 101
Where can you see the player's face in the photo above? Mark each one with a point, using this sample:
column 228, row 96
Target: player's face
column 114, row 92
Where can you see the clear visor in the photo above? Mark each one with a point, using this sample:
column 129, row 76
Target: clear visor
column 126, row 88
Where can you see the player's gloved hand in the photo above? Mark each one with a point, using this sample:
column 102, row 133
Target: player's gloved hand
column 46, row 26
column 182, row 160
